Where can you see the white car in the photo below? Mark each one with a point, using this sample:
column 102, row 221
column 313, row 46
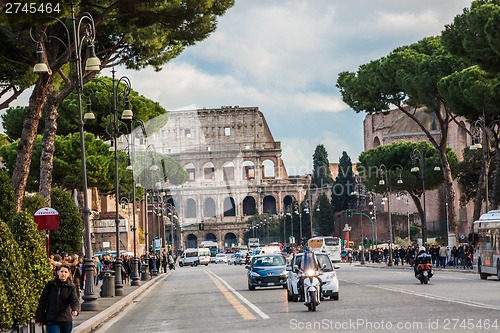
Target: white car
column 330, row 287
column 220, row 257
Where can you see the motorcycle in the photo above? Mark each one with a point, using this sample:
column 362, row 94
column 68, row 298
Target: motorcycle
column 311, row 287
column 424, row 273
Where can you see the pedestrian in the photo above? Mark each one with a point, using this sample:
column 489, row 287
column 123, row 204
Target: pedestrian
column 58, row 303
column 443, row 255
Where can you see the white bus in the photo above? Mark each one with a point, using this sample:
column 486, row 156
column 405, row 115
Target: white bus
column 487, row 240
column 326, row 244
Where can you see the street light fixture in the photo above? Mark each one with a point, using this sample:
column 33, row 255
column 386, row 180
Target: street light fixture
column 385, row 173
column 92, row 63
column 418, row 158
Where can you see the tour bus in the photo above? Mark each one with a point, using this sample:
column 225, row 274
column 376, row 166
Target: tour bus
column 212, row 246
column 486, row 237
column 253, row 243
column 326, row 244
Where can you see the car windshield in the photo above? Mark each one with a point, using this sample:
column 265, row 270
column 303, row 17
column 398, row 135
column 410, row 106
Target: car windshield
column 265, row 261
column 220, row 255
column 323, row 259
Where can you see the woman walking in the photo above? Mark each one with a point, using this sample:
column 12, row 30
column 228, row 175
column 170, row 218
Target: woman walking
column 58, row 303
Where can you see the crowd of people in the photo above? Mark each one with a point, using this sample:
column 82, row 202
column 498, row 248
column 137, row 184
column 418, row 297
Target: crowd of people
column 441, row 255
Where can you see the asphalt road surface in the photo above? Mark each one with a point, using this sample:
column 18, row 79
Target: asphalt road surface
column 215, row 298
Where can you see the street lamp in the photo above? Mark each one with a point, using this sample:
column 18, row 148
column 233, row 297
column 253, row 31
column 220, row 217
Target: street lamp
column 418, row 158
column 358, row 193
column 385, row 173
column 153, row 168
column 92, row 63
column 479, row 126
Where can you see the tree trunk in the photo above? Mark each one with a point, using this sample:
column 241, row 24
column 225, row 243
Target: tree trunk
column 48, row 147
column 28, row 135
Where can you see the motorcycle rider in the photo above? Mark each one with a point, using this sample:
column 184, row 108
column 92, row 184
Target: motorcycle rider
column 422, row 258
column 309, row 261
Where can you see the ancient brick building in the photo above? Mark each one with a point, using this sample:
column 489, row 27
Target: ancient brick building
column 382, row 129
column 234, row 169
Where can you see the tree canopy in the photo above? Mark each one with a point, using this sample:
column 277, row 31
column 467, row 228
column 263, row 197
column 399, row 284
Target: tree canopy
column 343, row 185
column 321, row 174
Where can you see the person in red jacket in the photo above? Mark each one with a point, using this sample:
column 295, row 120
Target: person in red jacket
column 58, row 303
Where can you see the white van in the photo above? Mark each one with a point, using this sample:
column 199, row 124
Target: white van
column 203, row 256
column 194, row 257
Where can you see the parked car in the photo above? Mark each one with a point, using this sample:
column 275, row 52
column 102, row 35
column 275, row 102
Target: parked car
column 266, row 270
column 330, row 287
column 220, row 257
column 236, row 259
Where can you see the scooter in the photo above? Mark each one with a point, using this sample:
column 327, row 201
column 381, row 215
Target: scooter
column 311, row 289
column 424, row 273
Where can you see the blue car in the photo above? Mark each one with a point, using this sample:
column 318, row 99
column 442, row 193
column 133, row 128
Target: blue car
column 267, row 270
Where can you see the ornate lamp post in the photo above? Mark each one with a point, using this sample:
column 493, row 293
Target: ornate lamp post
column 385, row 179
column 83, row 30
column 418, row 158
column 358, row 193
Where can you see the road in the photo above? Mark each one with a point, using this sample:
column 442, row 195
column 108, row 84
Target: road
column 215, row 298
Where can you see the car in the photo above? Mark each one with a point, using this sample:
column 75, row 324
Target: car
column 220, row 257
column 330, row 287
column 267, row 270
column 236, row 259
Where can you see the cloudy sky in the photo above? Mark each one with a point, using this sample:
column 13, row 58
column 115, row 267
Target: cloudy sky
column 284, row 57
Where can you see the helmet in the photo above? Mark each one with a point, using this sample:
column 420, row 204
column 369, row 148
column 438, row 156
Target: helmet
column 421, row 249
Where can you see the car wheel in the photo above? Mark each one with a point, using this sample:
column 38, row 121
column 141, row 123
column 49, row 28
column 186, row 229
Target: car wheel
column 335, row 297
column 250, row 287
column 289, row 296
column 181, row 264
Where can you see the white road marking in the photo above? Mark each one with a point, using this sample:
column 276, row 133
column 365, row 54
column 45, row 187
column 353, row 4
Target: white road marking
column 434, row 297
column 243, row 299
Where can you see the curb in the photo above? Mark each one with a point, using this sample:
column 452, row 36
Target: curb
column 92, row 323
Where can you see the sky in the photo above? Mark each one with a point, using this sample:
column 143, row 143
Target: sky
column 284, row 57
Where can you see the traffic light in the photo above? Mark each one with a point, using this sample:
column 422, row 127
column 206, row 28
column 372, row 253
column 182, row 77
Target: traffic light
column 365, row 242
column 342, row 243
column 349, row 213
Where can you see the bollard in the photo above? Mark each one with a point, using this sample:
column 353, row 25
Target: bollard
column 108, row 284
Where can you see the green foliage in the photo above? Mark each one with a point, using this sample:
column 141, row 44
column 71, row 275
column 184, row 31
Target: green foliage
column 13, row 122
column 474, row 36
column 321, row 168
column 13, row 276
column 32, row 203
column 32, row 247
column 100, row 95
column 468, row 175
column 7, row 205
column 6, row 309
column 394, row 162
column 69, row 236
column 343, row 185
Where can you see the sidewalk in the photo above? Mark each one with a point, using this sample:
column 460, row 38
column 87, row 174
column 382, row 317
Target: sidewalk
column 109, row 306
column 406, row 266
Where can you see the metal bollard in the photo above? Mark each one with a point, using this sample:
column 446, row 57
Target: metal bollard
column 108, row 284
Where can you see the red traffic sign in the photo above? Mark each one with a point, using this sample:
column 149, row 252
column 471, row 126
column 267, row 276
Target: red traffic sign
column 47, row 219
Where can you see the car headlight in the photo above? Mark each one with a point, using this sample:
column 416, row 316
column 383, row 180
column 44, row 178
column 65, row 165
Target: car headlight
column 329, row 277
column 254, row 274
column 284, row 273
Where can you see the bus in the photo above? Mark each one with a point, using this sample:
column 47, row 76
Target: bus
column 212, row 246
column 326, row 244
column 253, row 243
column 486, row 237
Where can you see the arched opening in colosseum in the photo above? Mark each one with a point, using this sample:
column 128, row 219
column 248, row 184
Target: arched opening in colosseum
column 268, row 168
column 209, row 209
column 209, row 171
column 376, row 142
column 287, row 204
column 249, row 206
column 230, row 240
column 211, row 237
column 192, row 241
column 190, row 208
column 191, row 171
column 269, row 205
column 228, row 171
column 248, row 170
column 229, row 207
